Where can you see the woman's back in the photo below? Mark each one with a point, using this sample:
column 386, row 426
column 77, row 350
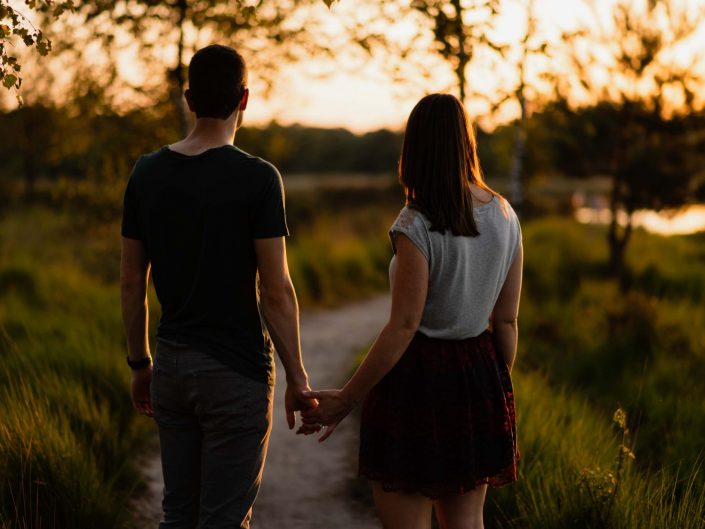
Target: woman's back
column 466, row 273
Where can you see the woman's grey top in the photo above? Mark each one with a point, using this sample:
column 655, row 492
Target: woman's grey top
column 466, row 274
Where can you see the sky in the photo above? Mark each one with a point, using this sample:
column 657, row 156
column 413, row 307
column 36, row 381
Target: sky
column 368, row 99
column 365, row 97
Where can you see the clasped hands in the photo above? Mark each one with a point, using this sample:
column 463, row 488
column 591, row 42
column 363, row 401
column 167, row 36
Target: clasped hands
column 325, row 408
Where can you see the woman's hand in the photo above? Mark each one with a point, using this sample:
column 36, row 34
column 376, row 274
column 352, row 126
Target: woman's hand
column 332, row 408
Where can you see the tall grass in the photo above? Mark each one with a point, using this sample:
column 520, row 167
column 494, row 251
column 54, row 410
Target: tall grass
column 639, row 343
column 68, row 433
column 570, row 449
column 341, row 258
column 67, row 429
column 587, row 345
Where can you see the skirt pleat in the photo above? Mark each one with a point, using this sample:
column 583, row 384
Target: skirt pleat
column 442, row 421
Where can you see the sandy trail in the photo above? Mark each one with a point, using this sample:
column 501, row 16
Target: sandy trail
column 305, row 484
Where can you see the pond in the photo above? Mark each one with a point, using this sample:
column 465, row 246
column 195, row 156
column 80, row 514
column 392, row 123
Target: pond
column 682, row 221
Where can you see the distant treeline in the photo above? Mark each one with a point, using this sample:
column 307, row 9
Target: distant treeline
column 299, row 149
column 49, row 143
column 657, row 161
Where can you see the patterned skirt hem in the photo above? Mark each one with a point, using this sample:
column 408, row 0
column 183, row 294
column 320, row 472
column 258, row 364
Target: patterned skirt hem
column 439, row 490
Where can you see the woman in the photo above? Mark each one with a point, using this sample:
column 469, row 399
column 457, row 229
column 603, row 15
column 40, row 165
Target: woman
column 438, row 422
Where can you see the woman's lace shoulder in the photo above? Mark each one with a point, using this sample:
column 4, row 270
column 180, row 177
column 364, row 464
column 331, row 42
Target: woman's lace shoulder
column 405, row 218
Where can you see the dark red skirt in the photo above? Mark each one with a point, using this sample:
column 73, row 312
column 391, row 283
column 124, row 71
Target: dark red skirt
column 442, row 421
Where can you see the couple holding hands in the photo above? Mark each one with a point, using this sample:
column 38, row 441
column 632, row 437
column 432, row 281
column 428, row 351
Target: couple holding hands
column 207, row 220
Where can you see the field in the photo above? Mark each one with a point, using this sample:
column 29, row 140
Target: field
column 589, row 345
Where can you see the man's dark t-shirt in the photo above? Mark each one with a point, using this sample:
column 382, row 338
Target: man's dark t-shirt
column 198, row 217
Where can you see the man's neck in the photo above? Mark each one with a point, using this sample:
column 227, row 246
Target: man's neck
column 206, row 134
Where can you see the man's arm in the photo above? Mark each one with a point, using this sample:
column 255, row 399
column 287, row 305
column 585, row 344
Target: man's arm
column 134, row 277
column 408, row 300
column 280, row 311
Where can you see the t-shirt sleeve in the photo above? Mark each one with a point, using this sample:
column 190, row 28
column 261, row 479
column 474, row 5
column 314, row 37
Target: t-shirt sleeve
column 410, row 223
column 269, row 212
column 131, row 223
column 516, row 228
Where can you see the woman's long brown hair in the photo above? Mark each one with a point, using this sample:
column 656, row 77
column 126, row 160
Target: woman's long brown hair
column 438, row 162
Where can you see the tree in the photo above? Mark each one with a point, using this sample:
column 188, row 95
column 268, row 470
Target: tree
column 647, row 117
column 13, row 23
column 266, row 20
column 530, row 45
column 463, row 28
column 461, row 33
column 269, row 32
column 459, row 29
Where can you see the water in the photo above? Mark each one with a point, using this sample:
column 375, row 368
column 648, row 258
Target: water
column 682, row 221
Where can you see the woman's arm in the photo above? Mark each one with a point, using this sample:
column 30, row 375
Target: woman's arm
column 506, row 312
column 408, row 299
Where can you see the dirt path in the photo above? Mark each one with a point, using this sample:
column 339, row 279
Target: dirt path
column 305, row 484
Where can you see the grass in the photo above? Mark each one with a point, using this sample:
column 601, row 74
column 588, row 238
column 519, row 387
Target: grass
column 588, row 344
column 67, row 430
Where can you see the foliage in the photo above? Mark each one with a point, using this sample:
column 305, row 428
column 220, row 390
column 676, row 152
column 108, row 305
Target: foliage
column 641, row 131
column 77, row 144
column 602, row 485
column 638, row 343
column 586, row 344
column 15, row 24
column 67, row 428
column 298, row 149
column 269, row 34
column 455, row 37
column 654, row 161
column 560, row 435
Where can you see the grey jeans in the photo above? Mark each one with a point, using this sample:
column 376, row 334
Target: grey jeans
column 214, row 426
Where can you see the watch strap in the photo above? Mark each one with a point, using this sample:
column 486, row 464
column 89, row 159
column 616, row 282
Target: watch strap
column 139, row 364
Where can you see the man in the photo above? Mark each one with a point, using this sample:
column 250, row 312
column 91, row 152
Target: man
column 207, row 219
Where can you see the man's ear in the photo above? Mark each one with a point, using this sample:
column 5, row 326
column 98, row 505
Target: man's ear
column 189, row 102
column 243, row 100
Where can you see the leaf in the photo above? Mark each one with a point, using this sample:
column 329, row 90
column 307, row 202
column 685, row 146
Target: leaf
column 9, row 81
column 43, row 47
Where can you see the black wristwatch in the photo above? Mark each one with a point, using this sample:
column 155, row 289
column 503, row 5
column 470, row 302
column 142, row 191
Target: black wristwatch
column 139, row 364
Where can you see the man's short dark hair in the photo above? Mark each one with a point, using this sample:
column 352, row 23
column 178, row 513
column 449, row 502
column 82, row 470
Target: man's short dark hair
column 217, row 77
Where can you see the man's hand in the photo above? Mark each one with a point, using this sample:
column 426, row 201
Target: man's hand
column 141, row 380
column 294, row 400
column 332, row 408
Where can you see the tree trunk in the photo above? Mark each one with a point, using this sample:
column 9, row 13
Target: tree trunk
column 463, row 58
column 618, row 241
column 179, row 74
column 516, row 191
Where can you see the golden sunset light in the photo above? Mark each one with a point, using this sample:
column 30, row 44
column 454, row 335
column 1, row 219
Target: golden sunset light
column 352, row 264
column 362, row 92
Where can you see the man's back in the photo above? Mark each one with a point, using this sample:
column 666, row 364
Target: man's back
column 197, row 217
column 209, row 219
